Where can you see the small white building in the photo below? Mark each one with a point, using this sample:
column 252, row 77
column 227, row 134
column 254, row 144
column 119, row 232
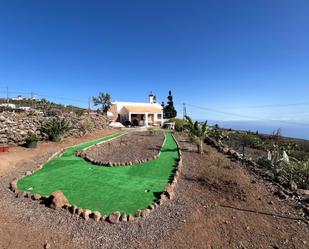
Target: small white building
column 25, row 108
column 19, row 97
column 141, row 114
column 7, row 105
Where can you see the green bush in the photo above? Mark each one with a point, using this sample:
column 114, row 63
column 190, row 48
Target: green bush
column 32, row 138
column 56, row 128
column 86, row 126
column 79, row 112
column 247, row 140
column 151, row 131
column 218, row 134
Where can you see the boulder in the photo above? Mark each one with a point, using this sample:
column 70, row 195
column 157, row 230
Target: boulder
column 162, row 199
column 13, row 185
column 138, row 213
column 130, row 217
column 280, row 194
column 231, row 152
column 58, row 200
column 306, row 211
column 292, row 185
column 225, row 150
column 303, row 192
column 79, row 211
column 96, row 215
column 46, row 245
column 20, row 194
column 151, row 207
column 28, row 173
column 145, row 212
column 114, row 217
column 123, row 218
column 86, row 213
column 169, row 192
column 67, row 207
column 72, row 209
column 36, row 197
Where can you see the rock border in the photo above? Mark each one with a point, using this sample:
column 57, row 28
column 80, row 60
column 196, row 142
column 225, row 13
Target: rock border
column 116, row 216
column 83, row 155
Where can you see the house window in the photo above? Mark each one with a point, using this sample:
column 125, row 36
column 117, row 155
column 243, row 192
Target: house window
column 159, row 116
column 133, row 115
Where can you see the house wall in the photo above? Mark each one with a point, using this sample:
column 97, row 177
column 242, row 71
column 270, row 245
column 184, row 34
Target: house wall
column 119, row 108
column 158, row 121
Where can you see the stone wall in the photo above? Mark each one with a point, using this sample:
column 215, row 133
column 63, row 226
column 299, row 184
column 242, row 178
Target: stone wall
column 15, row 127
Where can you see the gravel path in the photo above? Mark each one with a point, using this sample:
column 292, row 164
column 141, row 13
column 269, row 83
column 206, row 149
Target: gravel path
column 132, row 147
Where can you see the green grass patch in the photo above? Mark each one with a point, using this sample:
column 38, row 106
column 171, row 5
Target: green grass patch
column 105, row 189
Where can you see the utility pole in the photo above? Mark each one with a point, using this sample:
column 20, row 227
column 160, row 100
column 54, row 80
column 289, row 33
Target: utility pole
column 184, row 112
column 32, row 100
column 7, row 94
column 89, row 101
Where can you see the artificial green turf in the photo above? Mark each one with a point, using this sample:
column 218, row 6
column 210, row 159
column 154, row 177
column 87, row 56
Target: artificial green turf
column 105, row 189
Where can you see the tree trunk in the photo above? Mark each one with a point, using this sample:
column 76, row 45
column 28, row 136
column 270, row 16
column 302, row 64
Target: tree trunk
column 200, row 146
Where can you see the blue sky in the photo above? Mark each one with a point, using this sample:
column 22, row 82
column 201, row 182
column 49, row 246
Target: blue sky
column 228, row 56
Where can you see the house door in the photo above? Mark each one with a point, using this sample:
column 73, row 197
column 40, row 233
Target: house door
column 150, row 119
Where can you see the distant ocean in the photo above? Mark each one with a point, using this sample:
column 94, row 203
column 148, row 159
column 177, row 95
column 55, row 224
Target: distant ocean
column 288, row 130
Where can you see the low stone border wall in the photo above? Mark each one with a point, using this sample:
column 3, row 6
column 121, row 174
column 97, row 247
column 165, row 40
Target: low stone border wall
column 58, row 200
column 114, row 164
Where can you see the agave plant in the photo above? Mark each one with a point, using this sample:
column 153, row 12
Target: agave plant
column 197, row 132
column 56, row 128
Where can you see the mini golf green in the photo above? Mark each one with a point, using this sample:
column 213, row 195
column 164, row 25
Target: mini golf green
column 105, row 189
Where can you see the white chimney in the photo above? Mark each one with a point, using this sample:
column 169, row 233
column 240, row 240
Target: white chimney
column 152, row 98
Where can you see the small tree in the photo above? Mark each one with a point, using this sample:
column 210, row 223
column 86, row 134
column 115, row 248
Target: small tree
column 197, row 132
column 103, row 100
column 169, row 109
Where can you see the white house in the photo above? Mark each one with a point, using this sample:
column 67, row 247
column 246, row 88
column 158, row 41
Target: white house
column 8, row 105
column 19, row 97
column 142, row 114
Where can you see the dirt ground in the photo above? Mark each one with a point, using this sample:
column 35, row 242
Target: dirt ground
column 231, row 208
column 218, row 204
column 132, row 147
column 19, row 155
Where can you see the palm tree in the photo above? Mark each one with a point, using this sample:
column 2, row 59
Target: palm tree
column 197, row 132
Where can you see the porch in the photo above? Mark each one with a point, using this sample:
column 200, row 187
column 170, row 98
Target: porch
column 146, row 119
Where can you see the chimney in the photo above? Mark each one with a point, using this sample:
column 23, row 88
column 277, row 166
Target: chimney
column 152, row 98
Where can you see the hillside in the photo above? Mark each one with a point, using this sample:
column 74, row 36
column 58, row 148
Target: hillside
column 42, row 105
